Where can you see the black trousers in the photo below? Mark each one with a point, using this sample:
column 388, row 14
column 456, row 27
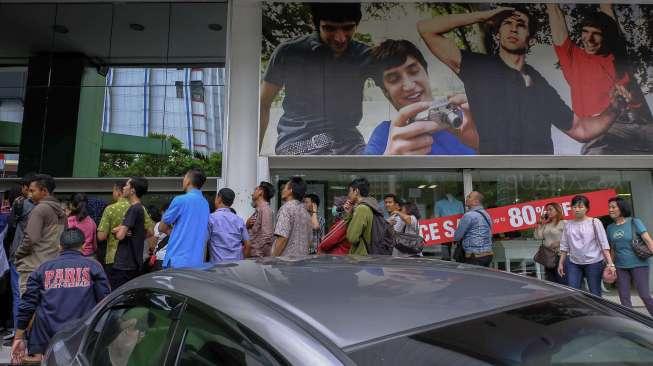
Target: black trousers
column 119, row 277
column 480, row 261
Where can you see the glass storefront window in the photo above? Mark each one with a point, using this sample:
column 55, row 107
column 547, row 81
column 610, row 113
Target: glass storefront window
column 425, row 189
column 514, row 251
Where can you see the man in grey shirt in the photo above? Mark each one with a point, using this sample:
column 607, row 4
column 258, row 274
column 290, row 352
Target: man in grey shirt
column 293, row 230
column 322, row 75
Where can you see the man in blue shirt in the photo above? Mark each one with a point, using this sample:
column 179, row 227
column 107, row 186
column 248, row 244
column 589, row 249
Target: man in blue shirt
column 400, row 70
column 228, row 236
column 186, row 221
column 475, row 232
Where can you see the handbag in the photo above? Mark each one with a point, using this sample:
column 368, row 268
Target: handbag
column 639, row 246
column 409, row 243
column 608, row 275
column 459, row 253
column 546, row 257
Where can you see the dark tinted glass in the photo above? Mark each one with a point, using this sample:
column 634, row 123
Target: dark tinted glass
column 214, row 339
column 133, row 333
column 572, row 330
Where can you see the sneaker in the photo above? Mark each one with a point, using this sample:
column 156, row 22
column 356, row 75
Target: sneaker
column 9, row 336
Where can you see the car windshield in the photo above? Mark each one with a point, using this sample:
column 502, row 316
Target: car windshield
column 570, row 330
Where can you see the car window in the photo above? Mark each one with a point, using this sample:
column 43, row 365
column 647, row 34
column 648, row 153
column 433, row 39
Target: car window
column 133, row 332
column 571, row 330
column 211, row 338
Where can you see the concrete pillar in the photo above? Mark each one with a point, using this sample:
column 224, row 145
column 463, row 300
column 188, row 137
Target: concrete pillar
column 240, row 147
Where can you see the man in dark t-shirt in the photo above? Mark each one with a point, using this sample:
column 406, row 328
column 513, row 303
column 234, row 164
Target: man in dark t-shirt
column 512, row 104
column 322, row 75
column 128, row 262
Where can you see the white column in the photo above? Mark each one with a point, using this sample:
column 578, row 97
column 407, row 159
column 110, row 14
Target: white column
column 240, row 144
column 468, row 183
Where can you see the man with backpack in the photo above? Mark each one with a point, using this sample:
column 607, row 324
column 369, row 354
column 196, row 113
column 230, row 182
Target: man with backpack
column 367, row 230
column 474, row 232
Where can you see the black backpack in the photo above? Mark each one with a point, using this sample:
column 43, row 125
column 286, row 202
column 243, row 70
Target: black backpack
column 383, row 235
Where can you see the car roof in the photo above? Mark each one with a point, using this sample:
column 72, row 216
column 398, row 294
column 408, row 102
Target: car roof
column 352, row 300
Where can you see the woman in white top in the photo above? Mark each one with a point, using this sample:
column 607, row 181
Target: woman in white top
column 549, row 230
column 585, row 242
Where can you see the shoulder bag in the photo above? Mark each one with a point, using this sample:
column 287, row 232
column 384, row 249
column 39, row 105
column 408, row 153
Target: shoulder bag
column 547, row 257
column 409, row 243
column 638, row 244
column 608, row 276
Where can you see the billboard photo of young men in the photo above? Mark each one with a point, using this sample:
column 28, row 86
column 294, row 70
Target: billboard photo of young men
column 456, row 79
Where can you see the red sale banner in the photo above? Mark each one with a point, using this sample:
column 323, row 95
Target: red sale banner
column 517, row 217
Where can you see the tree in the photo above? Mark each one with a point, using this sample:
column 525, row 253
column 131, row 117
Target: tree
column 175, row 164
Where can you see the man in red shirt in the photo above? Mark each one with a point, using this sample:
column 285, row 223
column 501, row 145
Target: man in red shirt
column 595, row 72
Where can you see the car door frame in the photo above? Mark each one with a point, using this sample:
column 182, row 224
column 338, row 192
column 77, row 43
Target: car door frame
column 122, row 299
column 176, row 345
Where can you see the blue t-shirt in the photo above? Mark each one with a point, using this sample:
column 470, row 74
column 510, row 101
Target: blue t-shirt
column 620, row 237
column 444, row 142
column 188, row 215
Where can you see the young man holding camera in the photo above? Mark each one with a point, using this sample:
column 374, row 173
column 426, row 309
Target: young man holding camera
column 401, row 71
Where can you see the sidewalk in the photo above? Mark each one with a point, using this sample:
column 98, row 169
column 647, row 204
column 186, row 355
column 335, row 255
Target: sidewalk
column 638, row 305
column 5, row 355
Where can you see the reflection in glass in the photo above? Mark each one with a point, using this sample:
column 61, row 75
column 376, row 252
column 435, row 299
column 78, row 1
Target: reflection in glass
column 186, row 103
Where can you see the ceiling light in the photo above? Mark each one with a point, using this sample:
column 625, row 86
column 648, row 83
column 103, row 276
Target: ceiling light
column 215, row 27
column 137, row 27
column 433, row 186
column 422, row 186
column 58, row 28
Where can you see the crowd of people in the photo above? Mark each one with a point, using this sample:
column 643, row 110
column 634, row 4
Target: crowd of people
column 64, row 258
column 585, row 250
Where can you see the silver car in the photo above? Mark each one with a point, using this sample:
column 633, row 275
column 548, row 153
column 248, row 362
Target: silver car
column 329, row 310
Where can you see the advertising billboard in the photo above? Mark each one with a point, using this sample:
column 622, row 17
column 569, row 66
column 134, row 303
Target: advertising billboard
column 456, row 79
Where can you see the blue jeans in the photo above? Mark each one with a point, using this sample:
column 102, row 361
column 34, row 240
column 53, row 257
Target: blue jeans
column 15, row 291
column 592, row 272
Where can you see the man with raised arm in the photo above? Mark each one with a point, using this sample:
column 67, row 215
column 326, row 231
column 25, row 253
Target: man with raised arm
column 593, row 70
column 513, row 105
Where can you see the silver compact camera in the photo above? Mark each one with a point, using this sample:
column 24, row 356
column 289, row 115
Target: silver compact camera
column 441, row 111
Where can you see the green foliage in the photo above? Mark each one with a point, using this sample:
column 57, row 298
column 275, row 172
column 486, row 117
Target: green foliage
column 175, row 164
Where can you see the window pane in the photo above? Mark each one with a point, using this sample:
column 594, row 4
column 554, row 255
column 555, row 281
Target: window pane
column 567, row 331
column 218, row 340
column 514, row 250
column 135, row 334
column 436, row 193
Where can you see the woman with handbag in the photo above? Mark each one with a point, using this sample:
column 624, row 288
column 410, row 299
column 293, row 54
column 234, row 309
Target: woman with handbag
column 409, row 216
column 549, row 230
column 624, row 235
column 585, row 242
